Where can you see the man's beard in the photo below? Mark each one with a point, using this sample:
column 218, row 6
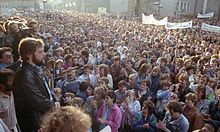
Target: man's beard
column 8, row 88
column 38, row 62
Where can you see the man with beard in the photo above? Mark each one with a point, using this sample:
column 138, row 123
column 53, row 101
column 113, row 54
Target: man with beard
column 7, row 108
column 32, row 95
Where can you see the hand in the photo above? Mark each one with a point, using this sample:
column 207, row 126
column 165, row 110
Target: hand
column 57, row 104
column 206, row 117
column 146, row 125
column 161, row 125
column 177, row 86
column 101, row 120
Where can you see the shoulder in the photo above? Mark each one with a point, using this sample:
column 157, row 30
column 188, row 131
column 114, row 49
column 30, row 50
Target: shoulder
column 183, row 119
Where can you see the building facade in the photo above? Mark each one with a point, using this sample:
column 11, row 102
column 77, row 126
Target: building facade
column 178, row 8
column 7, row 6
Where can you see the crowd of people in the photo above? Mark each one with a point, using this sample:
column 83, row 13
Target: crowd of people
column 122, row 73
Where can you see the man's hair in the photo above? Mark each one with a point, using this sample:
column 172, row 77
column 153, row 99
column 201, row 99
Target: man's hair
column 66, row 119
column 5, row 74
column 175, row 106
column 28, row 46
column 3, row 50
column 122, row 83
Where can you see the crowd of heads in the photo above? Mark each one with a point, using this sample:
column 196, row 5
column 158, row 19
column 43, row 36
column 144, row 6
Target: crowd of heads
column 88, row 55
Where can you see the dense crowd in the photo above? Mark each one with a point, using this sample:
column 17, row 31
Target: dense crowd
column 122, row 73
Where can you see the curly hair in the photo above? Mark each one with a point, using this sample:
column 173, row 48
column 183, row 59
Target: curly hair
column 66, row 119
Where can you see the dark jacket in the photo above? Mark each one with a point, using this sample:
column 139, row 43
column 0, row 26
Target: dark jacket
column 215, row 114
column 31, row 97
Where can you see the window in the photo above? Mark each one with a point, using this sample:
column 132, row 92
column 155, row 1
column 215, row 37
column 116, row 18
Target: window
column 183, row 6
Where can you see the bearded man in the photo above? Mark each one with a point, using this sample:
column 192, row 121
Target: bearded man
column 32, row 95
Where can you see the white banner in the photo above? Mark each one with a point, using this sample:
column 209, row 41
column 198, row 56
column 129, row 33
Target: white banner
column 210, row 28
column 102, row 10
column 152, row 21
column 178, row 25
column 208, row 15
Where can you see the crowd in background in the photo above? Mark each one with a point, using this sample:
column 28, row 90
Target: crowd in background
column 130, row 76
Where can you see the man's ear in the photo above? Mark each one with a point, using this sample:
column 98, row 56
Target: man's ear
column 29, row 56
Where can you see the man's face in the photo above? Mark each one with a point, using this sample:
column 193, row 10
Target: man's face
column 14, row 28
column 39, row 56
column 86, row 71
column 7, row 58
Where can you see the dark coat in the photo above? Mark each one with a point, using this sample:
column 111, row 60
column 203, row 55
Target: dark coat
column 31, row 97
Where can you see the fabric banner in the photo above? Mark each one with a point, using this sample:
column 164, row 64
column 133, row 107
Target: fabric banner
column 102, row 10
column 210, row 28
column 208, row 15
column 152, row 21
column 178, row 25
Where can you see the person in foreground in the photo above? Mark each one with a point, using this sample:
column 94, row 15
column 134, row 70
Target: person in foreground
column 65, row 119
column 109, row 113
column 32, row 94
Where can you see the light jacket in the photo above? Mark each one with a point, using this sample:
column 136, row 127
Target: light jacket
column 113, row 118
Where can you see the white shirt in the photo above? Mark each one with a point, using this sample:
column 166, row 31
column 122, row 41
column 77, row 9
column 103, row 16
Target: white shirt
column 7, row 105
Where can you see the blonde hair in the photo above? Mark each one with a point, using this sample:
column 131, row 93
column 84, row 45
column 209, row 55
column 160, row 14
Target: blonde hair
column 66, row 119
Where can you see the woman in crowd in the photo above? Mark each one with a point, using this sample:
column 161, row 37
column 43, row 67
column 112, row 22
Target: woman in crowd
column 130, row 106
column 93, row 103
column 104, row 72
column 109, row 113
